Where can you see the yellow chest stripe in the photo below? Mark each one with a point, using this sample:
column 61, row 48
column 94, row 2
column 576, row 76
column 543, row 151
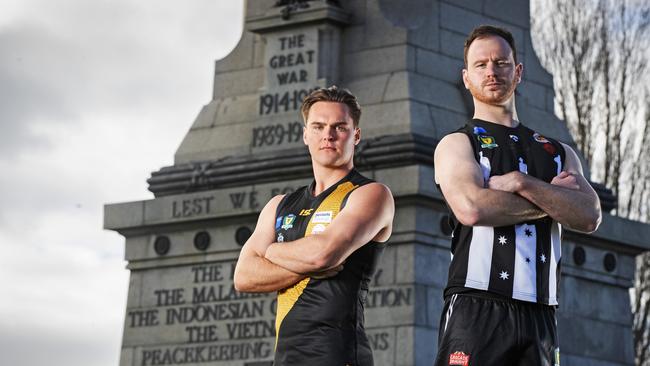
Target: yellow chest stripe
column 288, row 297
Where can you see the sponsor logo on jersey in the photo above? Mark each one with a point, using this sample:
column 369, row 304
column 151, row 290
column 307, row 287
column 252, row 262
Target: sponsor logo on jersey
column 317, row 229
column 540, row 138
column 459, row 358
column 514, row 138
column 324, row 217
column 550, row 148
column 278, row 222
column 306, row 212
column 479, row 130
column 280, row 238
column 487, row 142
column 288, row 221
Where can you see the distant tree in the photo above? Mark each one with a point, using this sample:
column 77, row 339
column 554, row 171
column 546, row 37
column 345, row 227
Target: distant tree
column 598, row 52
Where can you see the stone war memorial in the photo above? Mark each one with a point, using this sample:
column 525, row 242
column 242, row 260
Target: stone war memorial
column 402, row 59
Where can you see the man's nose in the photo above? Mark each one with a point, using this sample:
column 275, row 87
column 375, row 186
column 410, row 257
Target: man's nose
column 490, row 69
column 329, row 133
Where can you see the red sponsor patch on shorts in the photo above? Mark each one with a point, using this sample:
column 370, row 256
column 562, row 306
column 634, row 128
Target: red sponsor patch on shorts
column 459, row 359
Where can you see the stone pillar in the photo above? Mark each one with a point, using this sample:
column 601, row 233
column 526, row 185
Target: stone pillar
column 403, row 60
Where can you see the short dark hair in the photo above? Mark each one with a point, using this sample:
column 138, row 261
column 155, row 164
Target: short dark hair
column 332, row 94
column 483, row 31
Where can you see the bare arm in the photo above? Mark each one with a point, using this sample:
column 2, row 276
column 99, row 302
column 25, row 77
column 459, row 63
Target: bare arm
column 368, row 215
column 253, row 272
column 568, row 199
column 461, row 181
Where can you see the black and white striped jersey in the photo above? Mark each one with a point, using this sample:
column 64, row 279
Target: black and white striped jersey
column 519, row 261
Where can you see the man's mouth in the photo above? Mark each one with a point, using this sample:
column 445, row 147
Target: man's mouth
column 494, row 83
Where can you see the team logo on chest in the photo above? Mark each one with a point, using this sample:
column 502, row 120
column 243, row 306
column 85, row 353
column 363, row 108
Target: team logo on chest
column 487, row 142
column 287, row 222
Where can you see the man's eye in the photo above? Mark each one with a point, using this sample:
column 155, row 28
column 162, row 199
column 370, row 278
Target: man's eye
column 341, row 128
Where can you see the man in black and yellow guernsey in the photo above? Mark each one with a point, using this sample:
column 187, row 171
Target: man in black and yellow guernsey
column 319, row 246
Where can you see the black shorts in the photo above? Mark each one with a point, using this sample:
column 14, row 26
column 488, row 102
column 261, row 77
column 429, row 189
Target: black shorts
column 483, row 331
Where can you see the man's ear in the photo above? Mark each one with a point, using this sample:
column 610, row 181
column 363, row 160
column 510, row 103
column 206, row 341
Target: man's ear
column 357, row 135
column 464, row 77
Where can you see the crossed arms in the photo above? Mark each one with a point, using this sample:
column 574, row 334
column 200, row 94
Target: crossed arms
column 513, row 197
column 265, row 266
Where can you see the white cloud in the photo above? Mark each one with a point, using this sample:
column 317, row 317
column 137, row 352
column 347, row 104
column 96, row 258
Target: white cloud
column 94, row 96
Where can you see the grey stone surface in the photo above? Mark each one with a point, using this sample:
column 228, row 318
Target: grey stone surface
column 385, row 119
column 382, row 341
column 473, row 5
column 385, row 274
column 431, row 265
column 422, row 120
column 227, row 110
column 513, row 12
column 426, row 346
column 237, row 82
column 404, row 346
column 534, row 94
column 379, row 31
column 406, row 260
column 447, row 121
column 451, row 43
column 603, row 341
column 567, row 359
column 373, row 61
column 242, row 57
column 439, row 66
column 392, row 305
column 533, row 70
column 594, row 301
column 126, row 357
column 397, row 87
column 369, row 90
column 427, row 36
column 435, row 305
column 438, row 93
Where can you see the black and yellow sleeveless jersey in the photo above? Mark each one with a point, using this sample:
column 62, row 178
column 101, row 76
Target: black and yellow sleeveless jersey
column 320, row 322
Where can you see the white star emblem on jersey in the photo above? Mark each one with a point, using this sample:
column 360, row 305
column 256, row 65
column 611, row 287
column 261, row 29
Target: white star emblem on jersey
column 542, row 258
column 502, row 240
column 504, row 275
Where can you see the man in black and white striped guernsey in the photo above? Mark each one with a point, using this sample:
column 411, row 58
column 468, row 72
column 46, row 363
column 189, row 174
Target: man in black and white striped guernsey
column 510, row 191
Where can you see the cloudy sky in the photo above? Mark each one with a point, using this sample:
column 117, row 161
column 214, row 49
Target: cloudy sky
column 94, row 95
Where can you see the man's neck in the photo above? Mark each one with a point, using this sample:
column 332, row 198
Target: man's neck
column 325, row 177
column 505, row 114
